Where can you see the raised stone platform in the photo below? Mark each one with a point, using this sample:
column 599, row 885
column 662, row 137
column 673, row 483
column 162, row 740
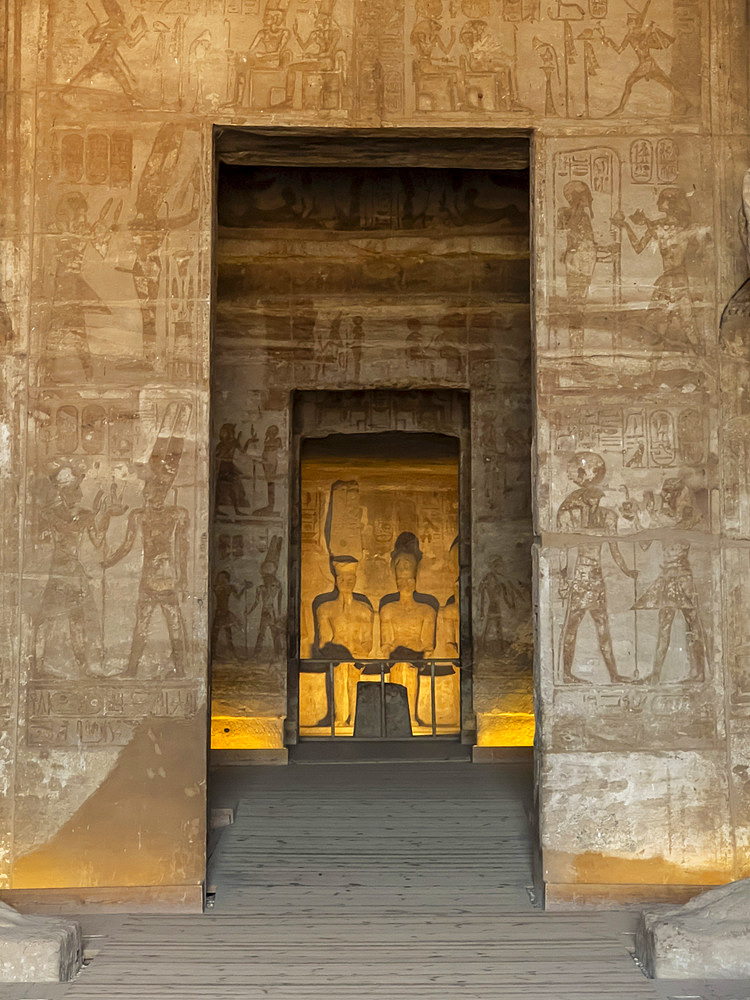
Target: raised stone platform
column 38, row 949
column 707, row 938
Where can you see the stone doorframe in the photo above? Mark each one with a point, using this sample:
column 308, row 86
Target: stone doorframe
column 474, row 148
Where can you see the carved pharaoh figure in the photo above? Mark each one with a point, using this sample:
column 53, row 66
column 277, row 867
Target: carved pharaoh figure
column 579, row 258
column 584, row 593
column 164, row 536
column 674, row 589
column 344, row 622
column 671, row 310
column 644, row 38
column 68, row 594
column 407, row 618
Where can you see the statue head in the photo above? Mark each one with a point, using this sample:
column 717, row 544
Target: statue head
column 344, row 569
column 405, row 559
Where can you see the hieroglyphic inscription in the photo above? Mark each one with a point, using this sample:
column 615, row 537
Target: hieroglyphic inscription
column 101, row 715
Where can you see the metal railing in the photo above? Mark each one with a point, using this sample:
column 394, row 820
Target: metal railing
column 426, row 667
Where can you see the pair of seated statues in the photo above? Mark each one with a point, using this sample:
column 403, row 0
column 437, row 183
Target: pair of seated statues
column 344, row 627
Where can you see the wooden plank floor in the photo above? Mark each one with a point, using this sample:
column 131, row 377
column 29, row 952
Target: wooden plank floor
column 369, row 882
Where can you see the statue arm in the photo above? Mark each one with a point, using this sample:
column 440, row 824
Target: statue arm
column 325, row 629
column 429, row 626
column 387, row 637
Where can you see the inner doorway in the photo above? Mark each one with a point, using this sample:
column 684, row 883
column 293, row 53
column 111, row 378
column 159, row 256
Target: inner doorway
column 379, row 586
column 391, row 270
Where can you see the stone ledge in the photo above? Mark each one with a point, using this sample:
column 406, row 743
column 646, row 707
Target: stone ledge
column 581, row 895
column 38, row 949
column 108, row 899
column 707, row 938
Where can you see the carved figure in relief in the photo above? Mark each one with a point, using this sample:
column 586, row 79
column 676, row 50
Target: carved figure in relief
column 579, row 257
column 164, row 537
column 449, row 615
column 161, row 208
column 198, row 53
column 671, row 309
column 674, row 589
column 497, row 597
column 344, row 623
column 109, row 36
column 268, row 597
column 72, row 296
column 321, row 77
column 485, row 55
column 224, row 618
column 230, row 491
column 436, row 79
column 268, row 51
column 407, row 618
column 67, row 594
column 272, row 445
column 551, row 68
column 581, row 513
column 644, row 38
column 6, row 326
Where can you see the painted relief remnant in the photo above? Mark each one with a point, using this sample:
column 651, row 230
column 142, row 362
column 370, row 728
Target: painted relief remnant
column 498, row 599
column 645, row 37
column 164, row 534
column 581, row 513
column 671, row 314
column 109, row 36
column 67, row 594
column 674, row 589
column 72, row 296
column 230, row 491
column 268, row 597
column 580, row 255
column 225, row 621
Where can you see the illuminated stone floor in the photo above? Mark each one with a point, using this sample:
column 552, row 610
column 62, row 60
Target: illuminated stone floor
column 370, row 882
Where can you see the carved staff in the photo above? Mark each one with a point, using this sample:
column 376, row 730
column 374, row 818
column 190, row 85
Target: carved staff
column 228, row 26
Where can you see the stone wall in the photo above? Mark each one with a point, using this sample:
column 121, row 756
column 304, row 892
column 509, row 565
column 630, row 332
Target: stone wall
column 640, row 144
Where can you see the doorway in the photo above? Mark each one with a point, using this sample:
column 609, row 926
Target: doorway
column 370, row 284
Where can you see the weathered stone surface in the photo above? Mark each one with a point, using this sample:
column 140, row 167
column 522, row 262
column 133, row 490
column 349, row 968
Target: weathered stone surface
column 641, row 632
column 38, row 949
column 707, row 938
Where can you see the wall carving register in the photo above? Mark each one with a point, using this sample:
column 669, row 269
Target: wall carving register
column 372, row 165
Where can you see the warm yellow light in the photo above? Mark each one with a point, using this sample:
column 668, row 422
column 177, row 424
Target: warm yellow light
column 506, row 729
column 232, row 732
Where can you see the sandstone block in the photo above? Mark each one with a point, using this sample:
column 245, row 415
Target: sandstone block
column 38, row 949
column 707, row 938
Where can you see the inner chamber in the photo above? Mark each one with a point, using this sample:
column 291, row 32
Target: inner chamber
column 371, row 380
column 379, row 586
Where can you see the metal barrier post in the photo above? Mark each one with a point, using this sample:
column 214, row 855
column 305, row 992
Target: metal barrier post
column 432, row 696
column 332, row 668
column 382, row 699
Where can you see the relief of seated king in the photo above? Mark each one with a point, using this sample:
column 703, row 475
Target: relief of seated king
column 407, row 619
column 343, row 632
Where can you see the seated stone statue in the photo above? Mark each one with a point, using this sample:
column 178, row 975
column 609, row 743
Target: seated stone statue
column 407, row 619
column 343, row 632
